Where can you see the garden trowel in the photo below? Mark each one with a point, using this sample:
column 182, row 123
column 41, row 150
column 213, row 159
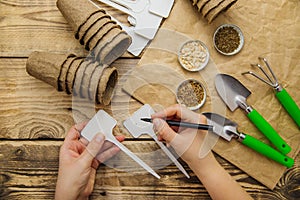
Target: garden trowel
column 227, row 129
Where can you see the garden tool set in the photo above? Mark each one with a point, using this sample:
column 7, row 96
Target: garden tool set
column 234, row 94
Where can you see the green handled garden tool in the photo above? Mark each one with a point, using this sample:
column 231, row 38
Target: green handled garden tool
column 234, row 94
column 282, row 95
column 227, row 129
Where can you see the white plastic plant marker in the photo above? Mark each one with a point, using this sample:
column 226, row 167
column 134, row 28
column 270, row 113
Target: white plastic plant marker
column 146, row 24
column 138, row 42
column 102, row 122
column 137, row 127
column 161, row 7
column 145, row 17
column 158, row 7
column 135, row 6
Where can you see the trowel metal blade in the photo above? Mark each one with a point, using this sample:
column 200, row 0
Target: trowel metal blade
column 233, row 92
column 222, row 126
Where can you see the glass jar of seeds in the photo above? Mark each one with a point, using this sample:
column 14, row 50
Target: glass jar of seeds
column 193, row 55
column 228, row 39
column 191, row 93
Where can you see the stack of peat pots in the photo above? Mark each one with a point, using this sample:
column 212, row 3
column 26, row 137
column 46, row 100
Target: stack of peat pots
column 210, row 9
column 91, row 77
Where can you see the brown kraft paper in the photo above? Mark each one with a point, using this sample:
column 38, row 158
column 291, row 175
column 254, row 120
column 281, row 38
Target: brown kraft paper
column 271, row 29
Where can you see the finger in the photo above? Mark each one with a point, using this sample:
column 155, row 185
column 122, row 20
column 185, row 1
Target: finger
column 107, row 154
column 187, row 115
column 178, row 112
column 170, row 111
column 92, row 149
column 84, row 141
column 108, row 144
column 164, row 130
column 80, row 126
column 120, row 138
column 73, row 134
column 203, row 119
column 95, row 163
column 159, row 138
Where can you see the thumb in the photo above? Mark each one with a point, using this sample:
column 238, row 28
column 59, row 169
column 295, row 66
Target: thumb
column 163, row 129
column 93, row 148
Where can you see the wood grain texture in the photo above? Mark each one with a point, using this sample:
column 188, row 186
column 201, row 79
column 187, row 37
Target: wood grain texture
column 27, row 26
column 29, row 171
column 32, row 109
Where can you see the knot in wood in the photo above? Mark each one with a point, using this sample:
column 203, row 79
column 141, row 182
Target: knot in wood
column 19, row 152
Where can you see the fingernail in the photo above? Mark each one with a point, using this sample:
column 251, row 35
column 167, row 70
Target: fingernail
column 99, row 137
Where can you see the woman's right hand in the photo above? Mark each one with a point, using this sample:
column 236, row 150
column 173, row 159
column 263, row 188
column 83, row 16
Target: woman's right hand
column 187, row 142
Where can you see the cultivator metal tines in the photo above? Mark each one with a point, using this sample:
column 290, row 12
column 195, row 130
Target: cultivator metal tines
column 282, row 95
column 272, row 81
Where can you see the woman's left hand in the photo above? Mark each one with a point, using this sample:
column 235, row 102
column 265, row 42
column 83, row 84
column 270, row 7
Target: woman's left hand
column 78, row 162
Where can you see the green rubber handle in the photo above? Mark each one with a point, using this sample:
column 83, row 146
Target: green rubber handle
column 289, row 105
column 269, row 132
column 267, row 151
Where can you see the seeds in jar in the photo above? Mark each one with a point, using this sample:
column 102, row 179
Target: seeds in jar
column 193, row 55
column 227, row 39
column 190, row 93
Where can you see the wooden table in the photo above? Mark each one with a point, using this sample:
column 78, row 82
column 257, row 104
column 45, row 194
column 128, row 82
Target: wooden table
column 34, row 119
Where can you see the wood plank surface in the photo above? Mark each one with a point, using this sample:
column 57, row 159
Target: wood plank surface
column 29, row 171
column 32, row 109
column 27, row 26
column 34, row 119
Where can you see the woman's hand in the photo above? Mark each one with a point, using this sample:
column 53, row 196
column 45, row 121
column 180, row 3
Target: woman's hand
column 78, row 162
column 187, row 142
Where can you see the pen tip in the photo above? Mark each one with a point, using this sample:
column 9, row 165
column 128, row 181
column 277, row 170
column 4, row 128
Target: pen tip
column 146, row 119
